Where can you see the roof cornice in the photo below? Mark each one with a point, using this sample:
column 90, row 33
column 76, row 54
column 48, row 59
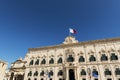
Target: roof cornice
column 75, row 44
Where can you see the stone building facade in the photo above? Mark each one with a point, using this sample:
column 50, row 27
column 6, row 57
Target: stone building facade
column 17, row 70
column 3, row 66
column 73, row 60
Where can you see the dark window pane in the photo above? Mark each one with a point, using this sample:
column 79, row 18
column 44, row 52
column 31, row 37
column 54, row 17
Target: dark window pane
column 92, row 58
column 95, row 71
column 113, row 56
column 60, row 60
column 117, row 71
column 70, row 58
column 51, row 73
column 83, row 72
column 30, row 73
column 36, row 73
column 31, row 62
column 107, row 72
column 51, row 61
column 37, row 62
column 60, row 73
column 81, row 59
column 104, row 57
column 29, row 79
column 43, row 61
column 42, row 73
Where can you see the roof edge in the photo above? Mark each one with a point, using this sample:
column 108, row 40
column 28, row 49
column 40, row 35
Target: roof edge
column 82, row 43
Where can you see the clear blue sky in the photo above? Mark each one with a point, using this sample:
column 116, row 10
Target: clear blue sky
column 34, row 23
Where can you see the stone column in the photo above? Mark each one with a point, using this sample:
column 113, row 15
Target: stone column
column 67, row 74
column 76, row 76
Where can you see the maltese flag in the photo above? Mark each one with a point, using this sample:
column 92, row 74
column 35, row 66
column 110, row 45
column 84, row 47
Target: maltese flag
column 73, row 31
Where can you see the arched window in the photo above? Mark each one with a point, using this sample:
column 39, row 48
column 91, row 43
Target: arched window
column 43, row 61
column 35, row 79
column 36, row 73
column 29, row 79
column 95, row 73
column 81, row 59
column 113, row 56
column 117, row 71
column 51, row 73
column 83, row 72
column 70, row 58
column 107, row 72
column 60, row 60
column 37, row 62
column 51, row 61
column 104, row 57
column 60, row 73
column 42, row 73
column 31, row 62
column 30, row 73
column 92, row 58
column 42, row 79
column 12, row 75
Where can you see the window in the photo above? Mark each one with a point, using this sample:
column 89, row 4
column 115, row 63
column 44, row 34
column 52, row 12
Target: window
column 51, row 61
column 107, row 72
column 42, row 73
column 31, row 62
column 95, row 72
column 51, row 73
column 60, row 73
column 30, row 73
column 36, row 73
column 37, row 62
column 35, row 79
column 104, row 57
column 43, row 61
column 117, row 71
column 83, row 72
column 81, row 59
column 92, row 58
column 70, row 58
column 29, row 79
column 60, row 60
column 113, row 56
